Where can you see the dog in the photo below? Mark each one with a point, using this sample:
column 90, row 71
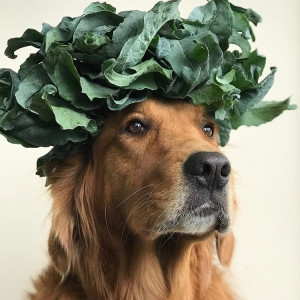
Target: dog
column 144, row 211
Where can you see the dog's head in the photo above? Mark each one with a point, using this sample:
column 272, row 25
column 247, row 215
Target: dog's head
column 154, row 172
column 161, row 171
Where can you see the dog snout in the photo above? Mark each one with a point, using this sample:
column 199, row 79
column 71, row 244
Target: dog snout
column 209, row 168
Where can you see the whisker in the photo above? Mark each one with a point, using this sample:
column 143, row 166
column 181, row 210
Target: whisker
column 132, row 195
column 167, row 240
column 105, row 215
column 136, row 206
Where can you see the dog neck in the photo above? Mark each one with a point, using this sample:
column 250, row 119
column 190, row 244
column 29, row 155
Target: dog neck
column 174, row 268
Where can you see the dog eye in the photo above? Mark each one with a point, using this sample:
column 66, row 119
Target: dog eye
column 208, row 130
column 135, row 127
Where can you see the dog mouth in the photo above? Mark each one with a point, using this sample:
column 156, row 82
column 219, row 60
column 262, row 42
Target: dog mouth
column 204, row 210
column 199, row 220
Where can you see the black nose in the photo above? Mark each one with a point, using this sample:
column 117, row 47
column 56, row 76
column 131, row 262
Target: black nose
column 209, row 168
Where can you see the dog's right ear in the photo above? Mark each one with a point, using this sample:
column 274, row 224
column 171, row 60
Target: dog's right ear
column 68, row 209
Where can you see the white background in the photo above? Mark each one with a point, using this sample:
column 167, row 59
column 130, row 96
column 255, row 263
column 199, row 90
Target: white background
column 266, row 160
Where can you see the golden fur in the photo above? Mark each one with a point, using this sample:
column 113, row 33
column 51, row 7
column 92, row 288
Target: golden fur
column 108, row 199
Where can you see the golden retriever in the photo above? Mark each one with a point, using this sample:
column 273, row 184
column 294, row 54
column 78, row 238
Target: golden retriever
column 143, row 212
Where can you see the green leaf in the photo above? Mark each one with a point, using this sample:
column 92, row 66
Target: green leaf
column 221, row 114
column 56, row 35
column 146, row 81
column 224, row 129
column 251, row 15
column 93, row 21
column 193, row 58
column 125, row 79
column 182, row 59
column 90, row 43
column 63, row 73
column 70, row 119
column 203, row 14
column 251, row 97
column 33, row 82
column 227, row 78
column 94, row 90
column 241, row 23
column 254, row 66
column 238, row 40
column 97, row 7
column 261, row 113
column 178, row 30
column 163, row 49
column 135, row 48
column 32, row 132
column 14, row 140
column 206, row 94
column 25, row 68
column 30, row 37
column 130, row 27
column 57, row 152
column 7, row 119
column 128, row 99
column 223, row 21
column 215, row 57
column 39, row 103
column 9, row 84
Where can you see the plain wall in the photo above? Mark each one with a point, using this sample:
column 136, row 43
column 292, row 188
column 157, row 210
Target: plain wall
column 266, row 159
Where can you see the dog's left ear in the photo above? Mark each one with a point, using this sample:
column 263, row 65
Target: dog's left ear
column 225, row 246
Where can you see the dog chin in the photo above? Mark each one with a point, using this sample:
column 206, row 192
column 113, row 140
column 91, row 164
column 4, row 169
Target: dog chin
column 194, row 225
column 199, row 226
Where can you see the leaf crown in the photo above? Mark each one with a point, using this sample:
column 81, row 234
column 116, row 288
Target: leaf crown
column 103, row 59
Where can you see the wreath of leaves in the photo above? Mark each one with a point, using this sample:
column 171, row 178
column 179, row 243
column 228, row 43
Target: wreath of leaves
column 103, row 59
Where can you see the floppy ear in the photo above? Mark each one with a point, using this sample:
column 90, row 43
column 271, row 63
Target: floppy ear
column 72, row 219
column 225, row 247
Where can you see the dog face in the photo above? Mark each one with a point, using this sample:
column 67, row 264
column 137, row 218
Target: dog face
column 161, row 169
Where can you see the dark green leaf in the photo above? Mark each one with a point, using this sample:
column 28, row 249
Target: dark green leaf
column 163, row 48
column 238, row 40
column 9, row 84
column 97, row 7
column 261, row 113
column 25, row 68
column 128, row 99
column 90, row 43
column 91, row 23
column 135, row 48
column 57, row 152
column 254, row 66
column 251, row 15
column 70, row 119
column 63, row 73
column 223, row 21
column 130, row 27
column 32, row 83
column 94, row 90
column 206, row 94
column 56, row 35
column 224, row 128
column 125, row 79
column 39, row 103
column 35, row 133
column 203, row 14
column 251, row 97
column 30, row 37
